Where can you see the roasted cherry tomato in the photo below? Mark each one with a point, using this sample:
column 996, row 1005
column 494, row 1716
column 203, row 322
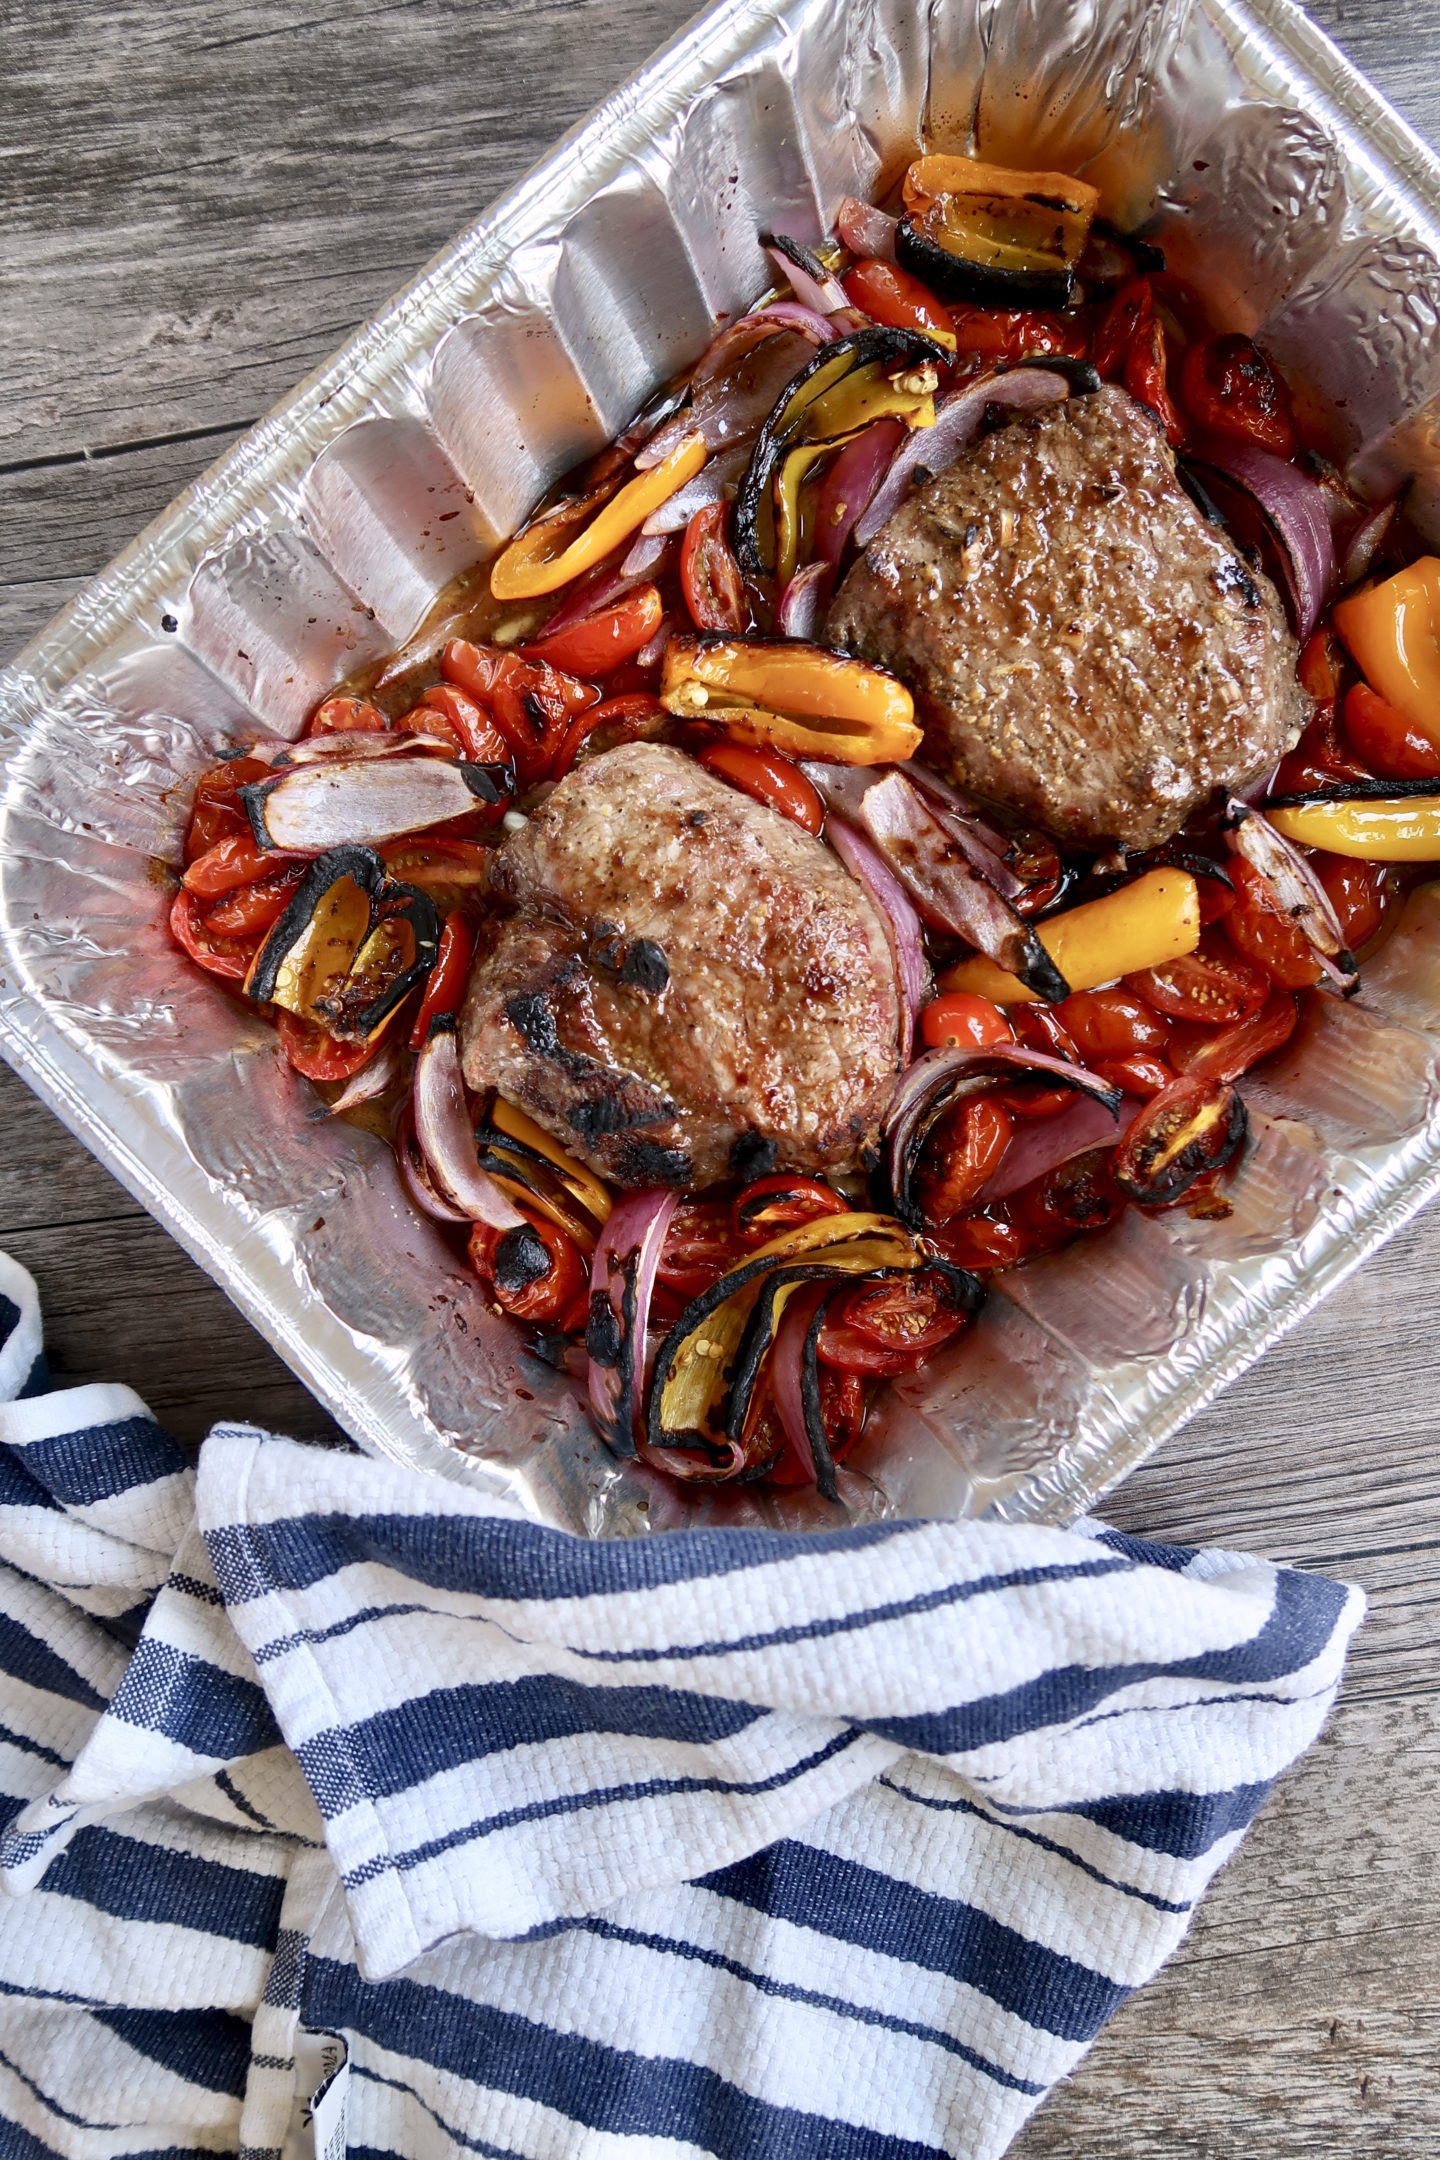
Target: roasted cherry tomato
column 445, row 985
column 1141, row 1074
column 1259, row 927
column 982, row 1243
column 1392, row 746
column 239, row 860
column 1321, row 669
column 1038, row 1028
column 1130, row 348
column 842, row 1413
column 890, row 295
column 218, row 813
column 1214, row 983
column 1196, row 1125
column 1232, row 1051
column 536, row 1272
column 605, row 640
column 1073, row 1199
column 530, row 702
column 316, row 1055
column 770, row 778
column 619, row 719
column 227, row 957
column 892, row 1326
column 773, row 1204
column 699, row 1246
column 962, row 1154
column 1109, row 1024
column 1319, row 759
column 252, row 908
column 1034, row 857
column 1229, row 388
column 960, row 1021
column 710, row 576
column 1361, row 894
column 1011, row 334
column 1132, row 307
column 347, row 716
column 451, row 871
column 445, row 710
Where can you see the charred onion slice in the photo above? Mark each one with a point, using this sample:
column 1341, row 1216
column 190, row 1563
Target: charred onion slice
column 622, row 1284
column 695, row 1365
column 842, row 388
column 362, row 802
column 577, row 537
column 942, row 1078
column 1191, row 1127
column 1297, row 889
column 1383, row 821
column 985, row 233
column 447, row 1138
column 349, row 947
column 787, row 696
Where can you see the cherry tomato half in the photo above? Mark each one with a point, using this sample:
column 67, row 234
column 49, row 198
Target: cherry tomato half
column 1229, row 388
column 888, row 294
column 1392, row 746
column 769, row 778
column 1214, row 983
column 1361, row 894
column 1195, row 1126
column 962, row 1154
column 531, row 703
column 1322, row 666
column 238, row 860
column 1140, row 1075
column 1233, row 1050
column 699, row 1247
column 1130, row 348
column 842, row 1413
column 250, row 909
column 444, row 709
column 1319, row 759
column 316, row 1055
column 1016, row 334
column 960, row 1021
column 606, row 639
column 445, row 984
column 1074, row 1199
column 347, row 716
column 774, row 1204
column 536, row 1272
column 228, row 958
column 710, row 576
column 217, row 813
column 1110, row 1024
column 982, row 1243
column 1259, row 927
column 892, row 1326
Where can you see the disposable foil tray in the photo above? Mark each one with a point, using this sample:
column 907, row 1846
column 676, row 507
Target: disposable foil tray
column 1231, row 132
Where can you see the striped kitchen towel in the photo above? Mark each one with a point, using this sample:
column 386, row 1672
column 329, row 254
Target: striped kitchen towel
column 344, row 1814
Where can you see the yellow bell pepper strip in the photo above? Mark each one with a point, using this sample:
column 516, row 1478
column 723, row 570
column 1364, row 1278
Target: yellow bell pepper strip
column 529, row 566
column 1143, row 925
column 987, row 233
column 1400, row 828
column 792, row 697
column 1393, row 631
column 583, row 1183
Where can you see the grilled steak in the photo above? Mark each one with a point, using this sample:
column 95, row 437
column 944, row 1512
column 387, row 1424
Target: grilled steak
column 690, row 987
column 1083, row 647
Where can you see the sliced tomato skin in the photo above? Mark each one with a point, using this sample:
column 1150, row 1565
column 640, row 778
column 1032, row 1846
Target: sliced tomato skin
column 250, row 909
column 982, row 1243
column 1322, row 666
column 960, row 1020
column 1075, row 1199
column 888, row 1327
column 1392, row 746
column 445, row 709
column 1230, row 389
column 531, row 703
column 316, row 1055
column 1260, row 929
column 699, row 1247
column 709, row 574
column 1130, row 348
column 445, row 985
column 1229, row 1052
column 891, row 295
column 1139, row 1075
column 558, row 1298
column 1213, row 984
column 770, row 1205
column 768, row 777
column 1016, row 333
column 229, row 958
column 961, row 1156
column 601, row 642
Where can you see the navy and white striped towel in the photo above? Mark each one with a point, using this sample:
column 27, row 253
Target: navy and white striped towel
column 716, row 1843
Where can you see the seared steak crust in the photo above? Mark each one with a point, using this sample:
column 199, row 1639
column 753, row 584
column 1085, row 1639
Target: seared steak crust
column 688, row 981
column 1083, row 647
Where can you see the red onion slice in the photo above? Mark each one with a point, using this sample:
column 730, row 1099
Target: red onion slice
column 647, row 556
column 985, row 846
column 943, row 1077
column 850, row 484
column 820, row 329
column 912, row 969
column 798, row 614
column 825, row 294
column 1048, row 1142
column 959, row 417
column 732, row 406
column 371, row 1080
column 1293, row 505
column 446, row 1133
column 346, row 745
column 622, row 1285
column 415, row 1176
column 588, row 595
column 787, row 1373
column 714, row 481
column 1297, row 889
column 358, row 803
column 1364, row 542
column 866, row 230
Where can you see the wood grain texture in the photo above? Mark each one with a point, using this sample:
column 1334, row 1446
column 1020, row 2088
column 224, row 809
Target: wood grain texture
column 200, row 202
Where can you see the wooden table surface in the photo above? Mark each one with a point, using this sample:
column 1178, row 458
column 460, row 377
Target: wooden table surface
column 201, row 201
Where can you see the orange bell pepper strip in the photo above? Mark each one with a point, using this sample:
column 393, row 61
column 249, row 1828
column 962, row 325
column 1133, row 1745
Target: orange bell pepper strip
column 1393, row 631
column 549, row 553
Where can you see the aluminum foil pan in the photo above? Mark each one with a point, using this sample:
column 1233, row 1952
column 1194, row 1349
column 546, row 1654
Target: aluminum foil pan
column 1233, row 132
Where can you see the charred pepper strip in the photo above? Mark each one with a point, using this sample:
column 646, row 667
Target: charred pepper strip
column 349, row 948
column 985, row 233
column 787, row 696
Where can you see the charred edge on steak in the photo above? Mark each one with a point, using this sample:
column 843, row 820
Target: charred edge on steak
column 640, row 963
column 1234, row 578
column 648, row 1162
column 753, row 1156
column 612, row 1108
column 615, row 1104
